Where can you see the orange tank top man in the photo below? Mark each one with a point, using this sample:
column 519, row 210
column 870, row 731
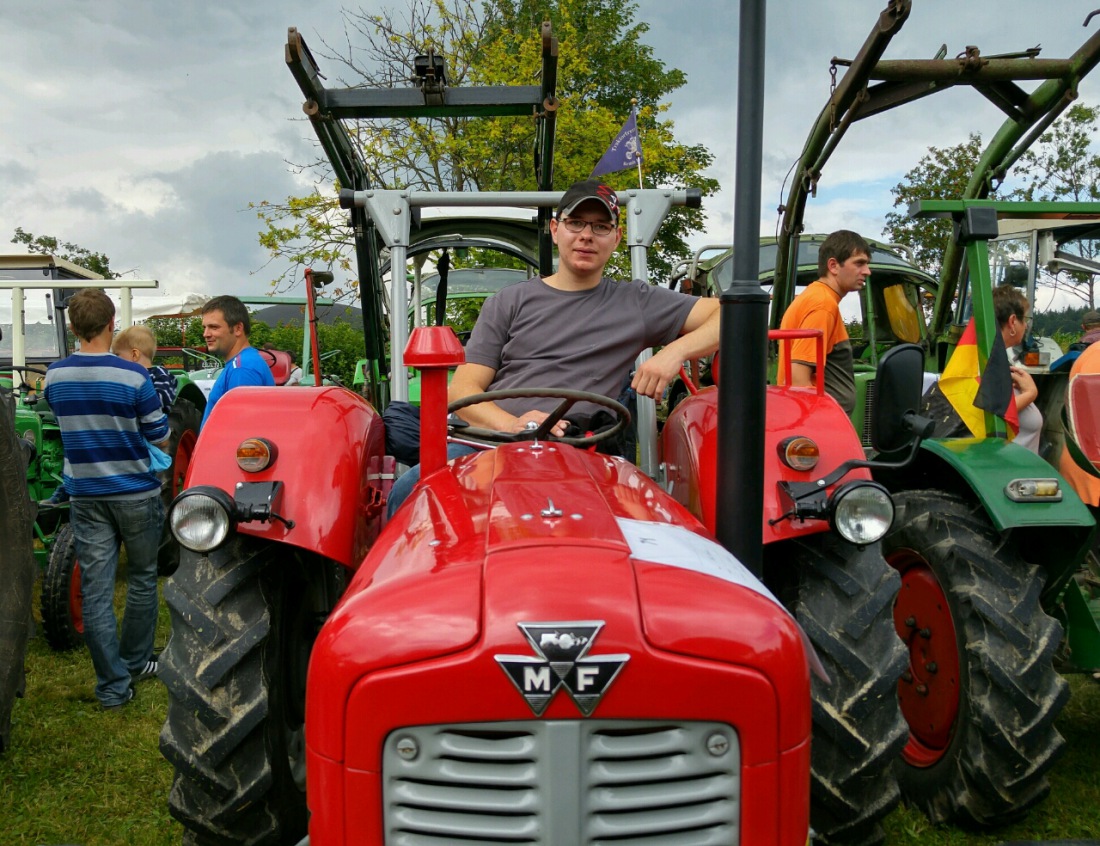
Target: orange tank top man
column 843, row 265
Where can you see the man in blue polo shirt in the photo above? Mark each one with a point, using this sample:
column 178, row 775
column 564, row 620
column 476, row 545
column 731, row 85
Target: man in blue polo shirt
column 225, row 328
column 107, row 409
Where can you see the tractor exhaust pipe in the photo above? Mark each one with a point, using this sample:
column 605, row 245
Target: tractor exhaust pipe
column 743, row 341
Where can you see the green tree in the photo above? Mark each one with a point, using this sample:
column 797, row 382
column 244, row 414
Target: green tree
column 1063, row 165
column 49, row 245
column 941, row 174
column 603, row 65
column 340, row 342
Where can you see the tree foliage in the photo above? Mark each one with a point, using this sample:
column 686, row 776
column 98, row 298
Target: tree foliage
column 339, row 337
column 603, row 65
column 49, row 245
column 1062, row 165
column 941, row 174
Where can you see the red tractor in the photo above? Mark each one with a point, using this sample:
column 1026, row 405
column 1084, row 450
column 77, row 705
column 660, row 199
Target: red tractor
column 543, row 644
column 538, row 645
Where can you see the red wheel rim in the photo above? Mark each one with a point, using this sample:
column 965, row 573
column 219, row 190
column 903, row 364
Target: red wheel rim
column 928, row 692
column 76, row 599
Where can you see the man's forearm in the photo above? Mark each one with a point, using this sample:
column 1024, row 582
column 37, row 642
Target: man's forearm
column 468, row 381
column 700, row 341
column 655, row 374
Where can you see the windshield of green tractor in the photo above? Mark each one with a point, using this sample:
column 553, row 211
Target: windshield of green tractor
column 467, row 290
column 41, row 343
column 807, row 261
column 1010, row 261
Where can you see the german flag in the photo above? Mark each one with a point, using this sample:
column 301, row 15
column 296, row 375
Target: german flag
column 971, row 392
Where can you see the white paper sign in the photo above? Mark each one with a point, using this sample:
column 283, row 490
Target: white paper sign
column 675, row 546
column 665, row 543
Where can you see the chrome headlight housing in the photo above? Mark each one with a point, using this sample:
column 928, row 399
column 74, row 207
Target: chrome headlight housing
column 202, row 517
column 861, row 512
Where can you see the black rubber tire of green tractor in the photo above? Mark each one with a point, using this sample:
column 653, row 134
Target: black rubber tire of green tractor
column 17, row 567
column 845, row 605
column 234, row 668
column 183, row 422
column 62, row 620
column 1003, row 743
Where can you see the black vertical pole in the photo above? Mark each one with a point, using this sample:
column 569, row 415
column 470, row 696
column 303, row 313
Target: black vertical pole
column 743, row 344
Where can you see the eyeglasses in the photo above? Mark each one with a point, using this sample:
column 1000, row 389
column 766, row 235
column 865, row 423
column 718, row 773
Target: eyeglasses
column 599, row 229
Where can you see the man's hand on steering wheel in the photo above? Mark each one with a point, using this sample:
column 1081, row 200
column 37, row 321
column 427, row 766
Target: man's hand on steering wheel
column 534, row 419
column 546, row 425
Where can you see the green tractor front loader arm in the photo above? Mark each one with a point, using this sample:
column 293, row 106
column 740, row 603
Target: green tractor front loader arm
column 902, row 81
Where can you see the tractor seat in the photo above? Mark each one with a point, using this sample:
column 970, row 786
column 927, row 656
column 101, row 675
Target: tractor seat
column 281, row 364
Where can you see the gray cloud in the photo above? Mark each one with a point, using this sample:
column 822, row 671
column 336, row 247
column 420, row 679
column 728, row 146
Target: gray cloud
column 143, row 130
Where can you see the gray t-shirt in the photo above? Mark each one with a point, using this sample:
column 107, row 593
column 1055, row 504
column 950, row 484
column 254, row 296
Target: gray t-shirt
column 536, row 336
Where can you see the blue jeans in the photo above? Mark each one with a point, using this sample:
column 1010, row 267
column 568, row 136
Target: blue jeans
column 407, row 480
column 98, row 528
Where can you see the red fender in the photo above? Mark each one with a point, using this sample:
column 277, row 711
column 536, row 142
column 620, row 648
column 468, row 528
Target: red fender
column 689, row 450
column 330, row 450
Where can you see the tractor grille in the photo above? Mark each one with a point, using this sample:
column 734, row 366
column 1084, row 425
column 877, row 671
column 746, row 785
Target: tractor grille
column 563, row 783
column 868, row 407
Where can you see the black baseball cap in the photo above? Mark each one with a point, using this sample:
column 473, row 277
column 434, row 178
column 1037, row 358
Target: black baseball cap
column 589, row 189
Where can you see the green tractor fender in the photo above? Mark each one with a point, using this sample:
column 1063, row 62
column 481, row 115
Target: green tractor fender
column 1054, row 535
column 988, row 465
column 188, row 390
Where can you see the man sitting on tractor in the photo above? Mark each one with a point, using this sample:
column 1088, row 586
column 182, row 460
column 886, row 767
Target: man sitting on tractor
column 575, row 328
column 843, row 265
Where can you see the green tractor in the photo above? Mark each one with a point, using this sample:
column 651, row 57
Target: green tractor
column 35, row 335
column 988, row 538
column 890, row 309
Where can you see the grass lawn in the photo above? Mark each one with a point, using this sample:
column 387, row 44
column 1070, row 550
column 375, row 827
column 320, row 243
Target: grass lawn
column 77, row 775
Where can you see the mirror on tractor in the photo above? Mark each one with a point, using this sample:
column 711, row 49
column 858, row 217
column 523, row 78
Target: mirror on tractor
column 898, row 388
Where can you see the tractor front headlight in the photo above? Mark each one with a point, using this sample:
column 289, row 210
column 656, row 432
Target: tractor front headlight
column 201, row 517
column 861, row 512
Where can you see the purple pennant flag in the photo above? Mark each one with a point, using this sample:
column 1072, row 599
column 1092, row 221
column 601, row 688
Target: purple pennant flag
column 625, row 151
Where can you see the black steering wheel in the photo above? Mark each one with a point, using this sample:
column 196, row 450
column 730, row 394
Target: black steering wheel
column 543, row 432
column 23, row 371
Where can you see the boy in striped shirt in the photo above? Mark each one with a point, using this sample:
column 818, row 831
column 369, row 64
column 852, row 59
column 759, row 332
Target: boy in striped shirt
column 106, row 408
column 139, row 344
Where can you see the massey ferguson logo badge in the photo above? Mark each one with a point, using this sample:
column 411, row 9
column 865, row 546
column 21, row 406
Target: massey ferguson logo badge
column 562, row 661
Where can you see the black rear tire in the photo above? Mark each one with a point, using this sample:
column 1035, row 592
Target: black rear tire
column 844, row 602
column 244, row 619
column 62, row 600
column 982, row 758
column 17, row 567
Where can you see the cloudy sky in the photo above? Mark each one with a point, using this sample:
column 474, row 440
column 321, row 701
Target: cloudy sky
column 144, row 128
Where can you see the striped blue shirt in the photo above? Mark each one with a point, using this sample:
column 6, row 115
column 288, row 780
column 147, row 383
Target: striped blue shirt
column 165, row 385
column 106, row 408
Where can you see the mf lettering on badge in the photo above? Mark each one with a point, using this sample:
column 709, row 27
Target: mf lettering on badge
column 562, row 661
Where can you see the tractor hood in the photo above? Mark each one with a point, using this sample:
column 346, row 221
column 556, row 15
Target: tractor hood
column 551, row 540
